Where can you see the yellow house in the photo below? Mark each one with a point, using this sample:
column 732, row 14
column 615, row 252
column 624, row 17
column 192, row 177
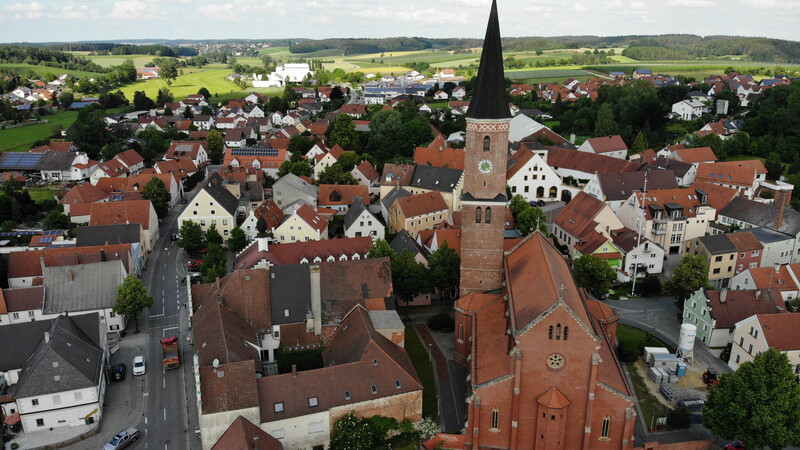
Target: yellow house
column 303, row 225
column 720, row 256
column 419, row 212
column 212, row 205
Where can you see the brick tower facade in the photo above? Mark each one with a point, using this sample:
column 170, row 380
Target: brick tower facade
column 484, row 195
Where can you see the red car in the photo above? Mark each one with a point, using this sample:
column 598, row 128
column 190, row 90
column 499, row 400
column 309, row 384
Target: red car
column 735, row 445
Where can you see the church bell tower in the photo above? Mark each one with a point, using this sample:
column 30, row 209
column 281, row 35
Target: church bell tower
column 484, row 195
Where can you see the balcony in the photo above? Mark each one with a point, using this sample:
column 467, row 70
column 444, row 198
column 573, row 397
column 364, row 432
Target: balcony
column 659, row 227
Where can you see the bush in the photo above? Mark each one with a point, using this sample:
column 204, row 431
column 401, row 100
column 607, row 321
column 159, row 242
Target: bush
column 679, row 418
column 725, row 356
column 627, row 352
column 441, row 322
column 651, row 286
column 14, row 445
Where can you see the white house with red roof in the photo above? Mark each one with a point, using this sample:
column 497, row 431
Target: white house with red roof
column 366, row 175
column 304, row 225
column 760, row 332
column 529, row 176
column 197, row 151
column 131, row 160
column 112, row 169
column 322, row 162
column 612, row 146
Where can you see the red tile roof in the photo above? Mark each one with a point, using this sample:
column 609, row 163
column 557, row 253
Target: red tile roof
column 728, row 174
column 366, row 168
column 696, row 155
column 438, row 153
column 29, row 263
column 229, row 387
column 780, row 330
column 310, row 217
column 745, row 241
column 84, row 193
column 354, row 109
column 607, row 144
column 62, row 147
column 191, row 153
column 113, row 168
column 26, row 299
column 244, row 435
column 739, row 305
column 116, row 213
column 130, row 158
column 342, row 194
column 416, row 205
column 295, row 252
column 768, row 278
column 588, row 162
column 553, row 398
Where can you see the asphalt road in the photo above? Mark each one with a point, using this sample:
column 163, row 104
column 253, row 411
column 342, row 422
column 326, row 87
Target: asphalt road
column 166, row 413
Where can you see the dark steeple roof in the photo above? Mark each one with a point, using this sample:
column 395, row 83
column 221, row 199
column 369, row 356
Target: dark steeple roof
column 489, row 94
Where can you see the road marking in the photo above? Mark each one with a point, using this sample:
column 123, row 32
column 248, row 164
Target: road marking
column 165, row 418
column 164, row 331
column 145, row 422
column 164, row 383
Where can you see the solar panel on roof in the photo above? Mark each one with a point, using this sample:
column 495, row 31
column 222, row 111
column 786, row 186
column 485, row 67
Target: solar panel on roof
column 46, row 240
column 254, row 151
column 116, row 198
column 21, row 160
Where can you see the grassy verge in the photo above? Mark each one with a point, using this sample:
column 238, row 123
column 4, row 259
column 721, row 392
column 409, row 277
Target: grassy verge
column 422, row 364
column 40, row 195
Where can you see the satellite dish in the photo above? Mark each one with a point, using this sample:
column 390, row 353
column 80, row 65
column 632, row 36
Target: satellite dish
column 215, row 363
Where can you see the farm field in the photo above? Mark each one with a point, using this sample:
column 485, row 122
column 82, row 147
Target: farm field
column 20, row 138
column 215, row 80
column 561, row 74
column 115, row 60
column 43, row 70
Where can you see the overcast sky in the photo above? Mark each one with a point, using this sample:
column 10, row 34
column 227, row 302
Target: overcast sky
column 73, row 20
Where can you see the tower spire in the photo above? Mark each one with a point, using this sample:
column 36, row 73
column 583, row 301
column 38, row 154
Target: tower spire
column 489, row 93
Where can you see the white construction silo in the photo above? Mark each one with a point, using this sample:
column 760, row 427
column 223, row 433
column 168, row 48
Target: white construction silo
column 686, row 342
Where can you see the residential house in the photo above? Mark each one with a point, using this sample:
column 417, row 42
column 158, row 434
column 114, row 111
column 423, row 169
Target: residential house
column 291, row 188
column 203, row 122
column 132, row 161
column 694, row 155
column 181, row 169
column 266, row 216
column 743, row 177
column 388, row 200
column 615, row 188
column 23, row 305
column 322, row 162
column 747, row 214
column 245, row 435
column 777, row 247
column 304, row 225
column 438, row 153
column 779, row 279
column 366, row 175
column 580, row 166
column 448, row 182
column 110, row 169
column 137, row 182
column 260, row 156
column 668, row 217
column 689, row 109
column 749, row 250
column 612, row 146
column 127, row 212
column 52, row 166
column 523, row 128
column 340, row 196
column 104, row 235
column 82, row 194
column 684, row 172
column 84, row 289
column 197, row 151
column 418, row 212
column 360, row 222
column 212, row 205
column 60, row 381
column 584, row 226
column 235, row 138
column 640, row 256
column 261, row 253
column 760, row 332
column 395, row 175
column 720, row 255
column 354, row 111
column 715, row 313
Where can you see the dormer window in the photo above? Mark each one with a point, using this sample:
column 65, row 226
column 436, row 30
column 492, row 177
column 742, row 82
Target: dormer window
column 487, row 143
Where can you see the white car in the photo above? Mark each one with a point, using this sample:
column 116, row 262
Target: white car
column 138, row 365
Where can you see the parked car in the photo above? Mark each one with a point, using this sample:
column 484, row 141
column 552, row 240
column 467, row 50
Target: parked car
column 118, row 372
column 122, row 439
column 194, row 266
column 138, row 365
column 735, row 445
column 184, row 201
column 540, row 202
column 173, row 237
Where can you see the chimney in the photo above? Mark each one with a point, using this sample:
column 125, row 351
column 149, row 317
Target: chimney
column 71, row 276
column 102, row 255
column 46, row 336
column 294, row 370
column 723, row 294
column 316, row 298
column 781, row 199
column 758, row 294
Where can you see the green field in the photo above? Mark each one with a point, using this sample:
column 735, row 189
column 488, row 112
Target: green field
column 40, row 195
column 43, row 70
column 20, row 138
column 215, row 80
column 561, row 74
column 115, row 60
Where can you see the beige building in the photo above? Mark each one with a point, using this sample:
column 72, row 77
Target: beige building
column 668, row 217
column 303, row 225
column 759, row 332
column 418, row 212
column 212, row 205
column 720, row 256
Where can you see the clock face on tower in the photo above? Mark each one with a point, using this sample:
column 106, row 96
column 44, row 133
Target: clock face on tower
column 485, row 166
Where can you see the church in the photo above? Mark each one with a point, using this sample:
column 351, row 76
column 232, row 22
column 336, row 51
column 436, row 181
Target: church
column 542, row 370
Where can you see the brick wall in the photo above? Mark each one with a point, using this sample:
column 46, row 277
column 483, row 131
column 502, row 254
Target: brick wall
column 399, row 407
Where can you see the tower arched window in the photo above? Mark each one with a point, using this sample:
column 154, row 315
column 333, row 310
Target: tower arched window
column 606, row 426
column 478, row 214
column 558, row 331
column 488, row 215
column 550, row 333
column 566, row 329
column 487, row 143
column 495, row 417
column 461, row 331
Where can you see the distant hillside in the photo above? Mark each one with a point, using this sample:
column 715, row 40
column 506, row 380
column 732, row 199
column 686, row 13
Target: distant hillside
column 662, row 47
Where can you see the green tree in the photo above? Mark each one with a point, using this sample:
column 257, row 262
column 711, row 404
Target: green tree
column 409, row 277
column 215, row 264
column 204, row 92
column 132, row 298
column 758, row 404
column 354, row 433
column 168, row 71
column 237, row 241
column 191, row 237
column 89, row 132
column 335, row 174
column 690, row 275
column 299, row 145
column 142, row 102
column 593, row 274
column 213, row 236
column 57, row 220
column 606, row 124
column 444, row 266
column 380, row 249
column 530, row 220
column 66, row 98
column 518, row 204
column 214, row 142
column 639, row 144
column 343, row 133
column 774, row 166
column 157, row 193
column 299, row 168
column 164, row 96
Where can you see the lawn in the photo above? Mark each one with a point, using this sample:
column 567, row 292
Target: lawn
column 40, row 195
column 630, row 337
column 44, row 70
column 115, row 60
column 422, row 364
column 215, row 80
column 20, row 138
